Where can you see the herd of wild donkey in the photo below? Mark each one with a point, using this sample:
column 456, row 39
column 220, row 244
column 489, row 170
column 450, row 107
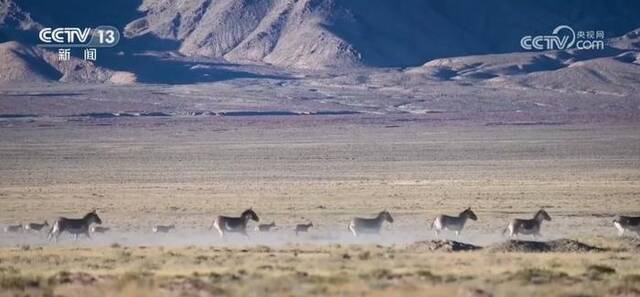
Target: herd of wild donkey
column 358, row 226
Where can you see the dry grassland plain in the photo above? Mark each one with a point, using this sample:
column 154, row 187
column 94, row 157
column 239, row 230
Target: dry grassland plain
column 321, row 169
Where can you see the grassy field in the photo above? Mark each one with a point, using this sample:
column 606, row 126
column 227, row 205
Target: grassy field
column 312, row 270
column 141, row 172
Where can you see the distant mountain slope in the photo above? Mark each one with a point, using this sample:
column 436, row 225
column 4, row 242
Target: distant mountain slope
column 618, row 75
column 332, row 33
column 188, row 41
column 14, row 21
column 611, row 72
column 286, row 33
column 321, row 33
column 629, row 41
column 22, row 63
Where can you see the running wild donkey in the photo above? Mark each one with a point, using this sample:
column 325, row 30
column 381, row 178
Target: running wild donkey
column 13, row 228
column 234, row 224
column 623, row 223
column 35, row 226
column 265, row 227
column 98, row 229
column 445, row 222
column 163, row 228
column 74, row 226
column 303, row 228
column 527, row 227
column 365, row 225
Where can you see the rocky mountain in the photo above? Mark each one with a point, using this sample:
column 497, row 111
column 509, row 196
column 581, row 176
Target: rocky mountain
column 465, row 39
column 611, row 71
column 337, row 33
column 14, row 21
column 23, row 63
column 285, row 33
column 629, row 41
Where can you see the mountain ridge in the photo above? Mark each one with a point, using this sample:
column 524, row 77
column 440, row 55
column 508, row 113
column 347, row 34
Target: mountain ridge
column 194, row 39
column 330, row 33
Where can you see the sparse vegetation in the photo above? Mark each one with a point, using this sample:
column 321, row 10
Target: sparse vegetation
column 317, row 271
column 285, row 170
column 538, row 276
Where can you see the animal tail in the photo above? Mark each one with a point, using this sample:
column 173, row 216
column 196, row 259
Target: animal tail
column 504, row 231
column 433, row 222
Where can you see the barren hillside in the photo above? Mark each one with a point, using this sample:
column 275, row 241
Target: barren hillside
column 22, row 63
column 317, row 34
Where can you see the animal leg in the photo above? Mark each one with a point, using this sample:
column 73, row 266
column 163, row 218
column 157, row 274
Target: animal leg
column 512, row 232
column 457, row 235
column 75, row 237
column 216, row 225
column 52, row 231
column 353, row 230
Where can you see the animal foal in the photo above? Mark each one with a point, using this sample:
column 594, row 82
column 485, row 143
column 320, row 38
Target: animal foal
column 13, row 228
column 163, row 228
column 98, row 229
column 303, row 228
column 265, row 227
column 36, row 227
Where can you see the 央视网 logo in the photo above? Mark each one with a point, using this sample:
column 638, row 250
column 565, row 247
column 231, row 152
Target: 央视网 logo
column 564, row 37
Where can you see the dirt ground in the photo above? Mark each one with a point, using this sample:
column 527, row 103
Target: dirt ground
column 323, row 169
